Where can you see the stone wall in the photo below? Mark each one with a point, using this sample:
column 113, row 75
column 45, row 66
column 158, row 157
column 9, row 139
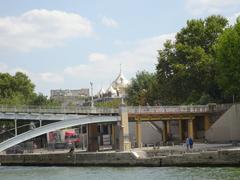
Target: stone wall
column 217, row 158
column 210, row 158
column 67, row 159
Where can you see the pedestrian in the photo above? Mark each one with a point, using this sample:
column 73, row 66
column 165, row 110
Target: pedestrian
column 187, row 144
column 71, row 150
column 190, row 143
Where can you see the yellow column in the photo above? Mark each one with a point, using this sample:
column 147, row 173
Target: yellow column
column 180, row 130
column 113, row 136
column 168, row 128
column 138, row 133
column 206, row 123
column 190, row 128
column 164, row 132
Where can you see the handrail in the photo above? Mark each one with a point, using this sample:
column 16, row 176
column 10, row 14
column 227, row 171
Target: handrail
column 104, row 110
column 179, row 109
column 57, row 109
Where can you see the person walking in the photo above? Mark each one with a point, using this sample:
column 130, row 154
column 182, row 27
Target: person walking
column 191, row 143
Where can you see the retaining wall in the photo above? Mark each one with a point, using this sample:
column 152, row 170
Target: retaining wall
column 211, row 158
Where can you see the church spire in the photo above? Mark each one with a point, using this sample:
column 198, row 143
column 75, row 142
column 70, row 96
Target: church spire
column 120, row 68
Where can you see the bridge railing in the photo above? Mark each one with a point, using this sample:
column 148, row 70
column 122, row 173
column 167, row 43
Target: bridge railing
column 180, row 109
column 131, row 109
column 57, row 110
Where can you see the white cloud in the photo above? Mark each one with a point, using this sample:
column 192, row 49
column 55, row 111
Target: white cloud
column 232, row 19
column 109, row 22
column 43, row 81
column 101, row 68
column 97, row 57
column 209, row 6
column 51, row 77
column 3, row 67
column 14, row 70
column 142, row 56
column 41, row 28
column 88, row 72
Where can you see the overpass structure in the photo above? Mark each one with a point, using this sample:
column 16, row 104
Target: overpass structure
column 191, row 120
column 188, row 118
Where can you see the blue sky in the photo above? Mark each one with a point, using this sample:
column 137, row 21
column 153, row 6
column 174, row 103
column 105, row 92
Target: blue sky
column 65, row 44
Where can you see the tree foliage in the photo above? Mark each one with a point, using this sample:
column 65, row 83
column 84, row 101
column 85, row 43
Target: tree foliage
column 142, row 90
column 228, row 60
column 186, row 68
column 19, row 90
column 115, row 103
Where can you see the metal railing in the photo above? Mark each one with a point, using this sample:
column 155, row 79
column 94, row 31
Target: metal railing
column 180, row 109
column 131, row 109
column 57, row 110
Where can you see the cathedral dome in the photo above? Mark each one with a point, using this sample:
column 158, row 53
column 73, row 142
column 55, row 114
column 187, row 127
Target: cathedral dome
column 120, row 81
column 117, row 88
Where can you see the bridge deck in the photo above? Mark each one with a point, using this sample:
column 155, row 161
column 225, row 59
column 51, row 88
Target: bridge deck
column 115, row 111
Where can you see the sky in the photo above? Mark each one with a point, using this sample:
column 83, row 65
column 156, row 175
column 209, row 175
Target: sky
column 66, row 44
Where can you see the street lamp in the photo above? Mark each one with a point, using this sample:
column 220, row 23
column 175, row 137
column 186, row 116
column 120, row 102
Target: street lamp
column 91, row 94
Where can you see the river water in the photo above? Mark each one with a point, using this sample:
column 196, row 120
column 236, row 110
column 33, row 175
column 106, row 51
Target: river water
column 116, row 173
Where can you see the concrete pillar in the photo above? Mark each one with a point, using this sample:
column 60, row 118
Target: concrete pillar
column 15, row 126
column 40, row 123
column 180, row 130
column 92, row 138
column 138, row 132
column 190, row 128
column 206, row 122
column 125, row 144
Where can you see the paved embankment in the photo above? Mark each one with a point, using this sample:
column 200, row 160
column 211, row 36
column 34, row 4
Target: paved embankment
column 230, row 157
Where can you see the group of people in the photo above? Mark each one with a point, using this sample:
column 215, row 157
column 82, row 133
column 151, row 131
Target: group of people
column 189, row 143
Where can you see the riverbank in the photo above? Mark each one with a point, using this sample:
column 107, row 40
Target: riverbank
column 139, row 157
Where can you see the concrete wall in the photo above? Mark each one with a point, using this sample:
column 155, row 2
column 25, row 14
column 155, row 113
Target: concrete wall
column 211, row 158
column 150, row 134
column 227, row 127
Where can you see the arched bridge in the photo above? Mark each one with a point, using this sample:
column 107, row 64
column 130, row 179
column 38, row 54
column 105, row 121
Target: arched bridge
column 55, row 126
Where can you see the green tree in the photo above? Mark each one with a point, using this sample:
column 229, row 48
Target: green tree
column 185, row 68
column 17, row 89
column 142, row 90
column 115, row 103
column 228, row 62
column 39, row 100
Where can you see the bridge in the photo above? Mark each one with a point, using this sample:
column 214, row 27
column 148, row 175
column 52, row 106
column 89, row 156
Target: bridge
column 115, row 111
column 55, row 126
column 188, row 118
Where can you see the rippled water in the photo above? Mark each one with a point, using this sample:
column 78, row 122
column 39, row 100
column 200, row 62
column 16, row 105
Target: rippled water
column 106, row 173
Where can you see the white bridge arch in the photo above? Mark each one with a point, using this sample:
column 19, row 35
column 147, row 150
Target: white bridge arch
column 55, row 126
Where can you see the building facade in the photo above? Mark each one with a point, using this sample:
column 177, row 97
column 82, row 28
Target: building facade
column 70, row 97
